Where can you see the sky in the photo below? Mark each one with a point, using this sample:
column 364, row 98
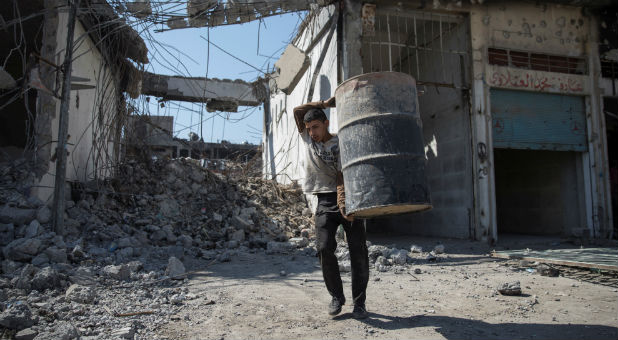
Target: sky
column 185, row 52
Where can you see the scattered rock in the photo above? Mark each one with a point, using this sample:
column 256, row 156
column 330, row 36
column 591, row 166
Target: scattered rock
column 22, row 249
column 46, row 278
column 238, row 235
column 299, row 242
column 56, row 255
column 123, row 333
column 546, row 270
column 416, row 249
column 26, row 334
column 16, row 215
column 274, row 247
column 438, row 249
column 44, row 215
column 17, row 316
column 80, row 294
column 345, row 266
column 510, row 288
column 174, row 268
column 61, row 330
column 120, row 272
column 7, row 233
column 400, row 257
column 33, row 229
column 40, row 260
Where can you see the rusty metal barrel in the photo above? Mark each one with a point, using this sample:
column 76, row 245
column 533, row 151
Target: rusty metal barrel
column 381, row 145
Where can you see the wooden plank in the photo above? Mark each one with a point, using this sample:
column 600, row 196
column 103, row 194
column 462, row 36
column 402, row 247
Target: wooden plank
column 598, row 258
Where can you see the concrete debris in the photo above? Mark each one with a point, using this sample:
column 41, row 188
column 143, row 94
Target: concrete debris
column 345, row 266
column 22, row 249
column 546, row 270
column 17, row 316
column 46, row 278
column 510, row 288
column 174, row 268
column 152, row 222
column 123, row 333
column 62, row 330
column 400, row 257
column 26, row 334
column 119, row 272
column 80, row 294
column 416, row 249
column 15, row 215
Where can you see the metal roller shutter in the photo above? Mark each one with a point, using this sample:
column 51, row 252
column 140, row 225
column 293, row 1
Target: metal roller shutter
column 538, row 121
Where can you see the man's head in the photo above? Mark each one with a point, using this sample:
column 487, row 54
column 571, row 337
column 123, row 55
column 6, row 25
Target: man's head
column 316, row 124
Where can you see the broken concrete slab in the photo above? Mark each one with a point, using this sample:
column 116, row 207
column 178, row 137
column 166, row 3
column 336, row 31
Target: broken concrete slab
column 290, row 68
column 220, row 94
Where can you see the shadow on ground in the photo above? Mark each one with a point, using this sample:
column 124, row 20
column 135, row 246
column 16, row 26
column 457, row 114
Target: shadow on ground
column 459, row 328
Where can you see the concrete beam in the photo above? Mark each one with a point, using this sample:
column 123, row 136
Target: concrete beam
column 220, row 95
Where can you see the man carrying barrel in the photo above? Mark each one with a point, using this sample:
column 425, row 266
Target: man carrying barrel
column 324, row 179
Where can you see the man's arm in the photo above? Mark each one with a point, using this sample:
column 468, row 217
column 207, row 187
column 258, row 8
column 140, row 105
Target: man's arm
column 299, row 111
column 341, row 197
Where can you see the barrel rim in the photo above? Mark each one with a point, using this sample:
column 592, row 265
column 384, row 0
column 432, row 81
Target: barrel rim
column 421, row 207
column 373, row 73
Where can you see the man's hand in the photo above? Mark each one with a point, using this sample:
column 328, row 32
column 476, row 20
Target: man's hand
column 330, row 102
column 299, row 111
column 350, row 217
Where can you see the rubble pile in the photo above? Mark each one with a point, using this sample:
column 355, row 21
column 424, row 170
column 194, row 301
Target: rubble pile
column 389, row 258
column 126, row 244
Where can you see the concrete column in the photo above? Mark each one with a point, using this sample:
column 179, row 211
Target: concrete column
column 482, row 148
column 352, row 63
column 602, row 219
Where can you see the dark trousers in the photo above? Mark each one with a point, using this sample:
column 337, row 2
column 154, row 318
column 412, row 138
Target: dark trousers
column 327, row 220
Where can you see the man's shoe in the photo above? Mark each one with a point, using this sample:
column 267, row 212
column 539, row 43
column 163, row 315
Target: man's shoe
column 359, row 312
column 335, row 305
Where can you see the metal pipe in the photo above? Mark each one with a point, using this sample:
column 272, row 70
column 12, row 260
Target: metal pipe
column 63, row 125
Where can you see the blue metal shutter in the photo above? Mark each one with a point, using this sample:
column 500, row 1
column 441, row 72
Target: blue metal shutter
column 538, row 121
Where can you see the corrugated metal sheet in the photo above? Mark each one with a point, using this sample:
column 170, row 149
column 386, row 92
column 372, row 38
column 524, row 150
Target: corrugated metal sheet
column 538, row 121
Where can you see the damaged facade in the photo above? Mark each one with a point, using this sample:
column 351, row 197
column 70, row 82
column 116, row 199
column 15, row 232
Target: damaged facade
column 512, row 101
column 105, row 49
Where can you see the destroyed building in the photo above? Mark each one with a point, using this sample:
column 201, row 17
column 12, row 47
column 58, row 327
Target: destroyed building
column 517, row 100
column 151, row 137
column 32, row 81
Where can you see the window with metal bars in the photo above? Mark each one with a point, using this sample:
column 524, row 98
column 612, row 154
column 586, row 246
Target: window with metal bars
column 537, row 61
column 432, row 47
column 609, row 69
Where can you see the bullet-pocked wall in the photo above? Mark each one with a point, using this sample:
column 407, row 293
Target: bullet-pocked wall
column 523, row 55
column 433, row 47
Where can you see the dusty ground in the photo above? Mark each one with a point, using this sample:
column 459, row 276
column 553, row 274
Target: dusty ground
column 455, row 298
